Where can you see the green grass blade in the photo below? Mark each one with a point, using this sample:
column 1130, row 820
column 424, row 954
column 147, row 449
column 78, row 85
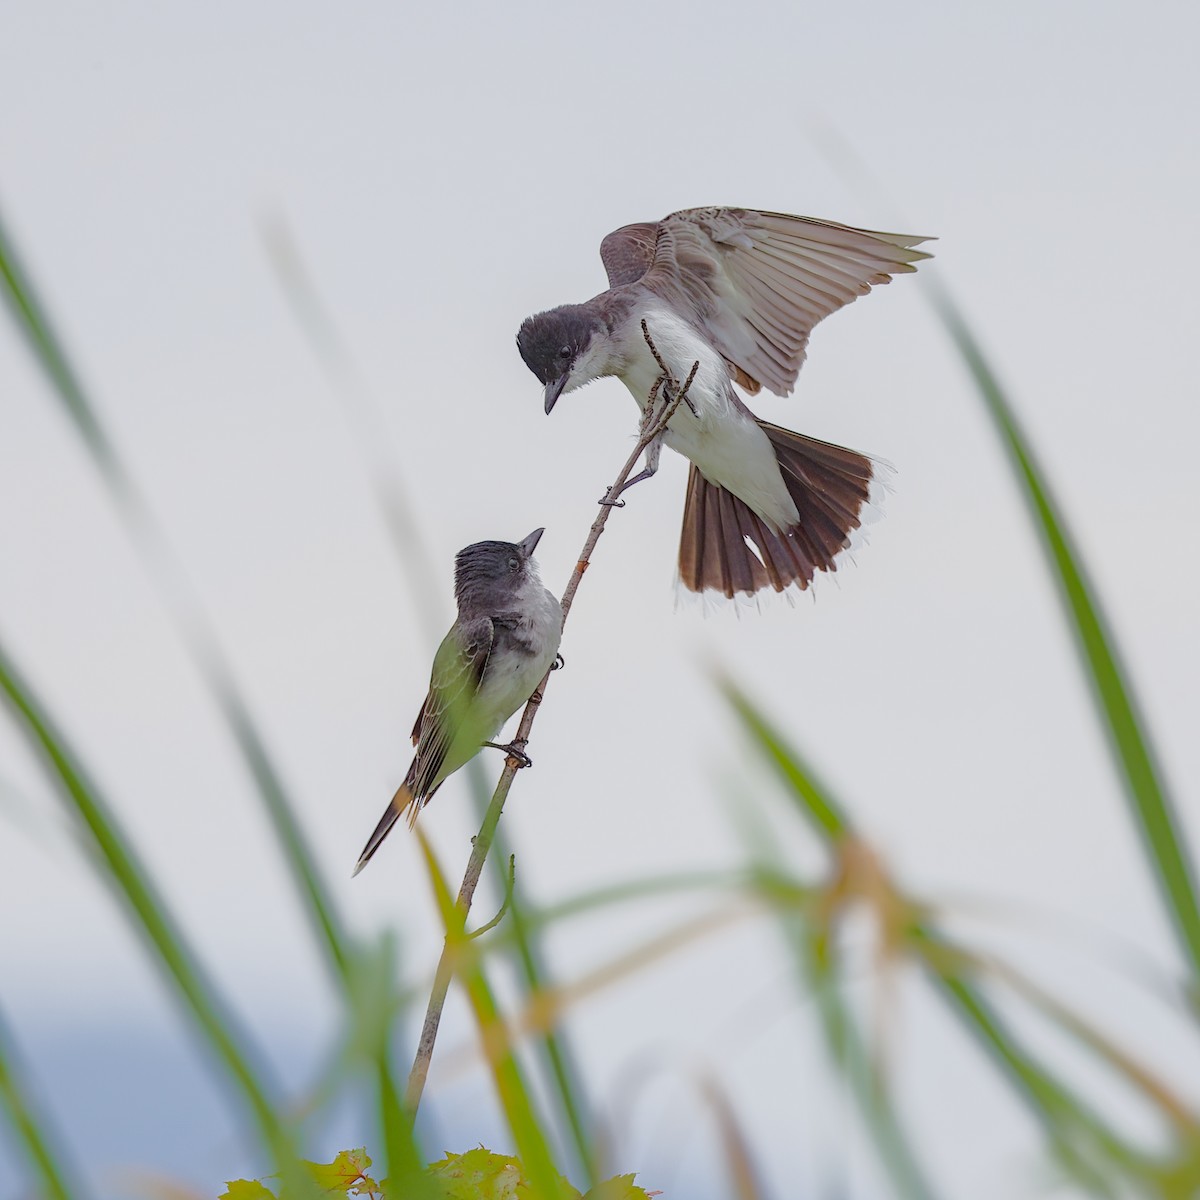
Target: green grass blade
column 625, row 893
column 554, row 1050
column 30, row 319
column 816, row 801
column 1127, row 735
column 363, row 417
column 146, row 909
column 512, row 1090
column 58, row 1178
column 814, row 961
column 406, row 1172
column 551, row 1047
column 848, row 1048
column 1081, row 1140
column 1078, row 1135
column 741, row 1169
column 35, row 325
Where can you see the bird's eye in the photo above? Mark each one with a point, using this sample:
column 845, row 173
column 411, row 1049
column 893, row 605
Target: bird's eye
column 565, row 352
column 513, row 563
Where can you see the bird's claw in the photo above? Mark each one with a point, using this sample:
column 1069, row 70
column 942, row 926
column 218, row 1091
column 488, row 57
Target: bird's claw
column 522, row 759
column 614, row 502
column 558, row 663
column 669, row 396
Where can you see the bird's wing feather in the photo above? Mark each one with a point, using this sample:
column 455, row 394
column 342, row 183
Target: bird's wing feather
column 458, row 670
column 756, row 282
column 628, row 252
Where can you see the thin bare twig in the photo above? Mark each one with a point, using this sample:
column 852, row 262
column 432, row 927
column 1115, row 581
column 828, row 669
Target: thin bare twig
column 664, row 372
column 651, row 429
column 509, row 884
column 665, row 377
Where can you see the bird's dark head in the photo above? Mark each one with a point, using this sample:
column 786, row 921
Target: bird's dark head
column 563, row 348
column 490, row 572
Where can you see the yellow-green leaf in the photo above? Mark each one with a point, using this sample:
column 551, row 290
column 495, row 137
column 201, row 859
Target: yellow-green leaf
column 481, row 1175
column 619, row 1187
column 347, row 1173
column 246, row 1189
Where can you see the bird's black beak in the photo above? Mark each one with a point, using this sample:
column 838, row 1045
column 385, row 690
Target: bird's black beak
column 529, row 544
column 554, row 389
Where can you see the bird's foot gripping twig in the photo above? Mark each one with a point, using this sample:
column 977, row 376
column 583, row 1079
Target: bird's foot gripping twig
column 668, row 391
column 666, row 381
column 514, row 751
column 673, row 396
column 654, row 420
column 653, row 453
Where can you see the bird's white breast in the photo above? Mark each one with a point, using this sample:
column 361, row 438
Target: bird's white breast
column 721, row 438
column 504, row 691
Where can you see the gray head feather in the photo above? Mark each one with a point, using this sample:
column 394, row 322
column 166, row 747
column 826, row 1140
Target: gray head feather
column 487, row 575
column 550, row 342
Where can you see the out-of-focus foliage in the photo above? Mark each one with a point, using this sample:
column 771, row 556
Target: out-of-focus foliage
column 1101, row 1155
column 478, row 1174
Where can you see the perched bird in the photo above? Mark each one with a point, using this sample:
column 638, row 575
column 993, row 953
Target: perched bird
column 496, row 653
column 738, row 292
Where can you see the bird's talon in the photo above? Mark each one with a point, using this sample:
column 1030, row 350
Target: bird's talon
column 522, row 759
column 558, row 663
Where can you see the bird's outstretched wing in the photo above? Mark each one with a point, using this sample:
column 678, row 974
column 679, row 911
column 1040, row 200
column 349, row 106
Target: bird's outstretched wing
column 756, row 282
column 458, row 669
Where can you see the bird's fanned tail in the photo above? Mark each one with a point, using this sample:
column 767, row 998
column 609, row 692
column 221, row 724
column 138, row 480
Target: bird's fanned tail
column 402, row 802
column 726, row 547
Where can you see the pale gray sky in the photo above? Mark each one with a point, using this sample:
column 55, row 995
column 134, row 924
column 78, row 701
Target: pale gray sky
column 446, row 170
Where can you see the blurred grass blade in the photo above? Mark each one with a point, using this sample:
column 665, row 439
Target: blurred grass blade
column 512, row 1091
column 1080, row 1138
column 743, row 1178
column 1137, row 1074
column 558, row 1062
column 1127, row 735
column 58, row 1178
column 624, row 893
column 30, row 319
column 35, row 325
column 362, row 416
column 815, row 958
column 1077, row 1134
column 544, row 1009
column 552, row 1048
column 405, row 1164
column 147, row 912
column 802, row 785
column 374, row 1004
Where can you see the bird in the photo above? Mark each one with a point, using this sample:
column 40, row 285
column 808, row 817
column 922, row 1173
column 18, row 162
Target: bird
column 735, row 292
column 498, row 650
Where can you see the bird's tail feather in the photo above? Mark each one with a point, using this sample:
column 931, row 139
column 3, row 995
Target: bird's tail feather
column 402, row 801
column 726, row 547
